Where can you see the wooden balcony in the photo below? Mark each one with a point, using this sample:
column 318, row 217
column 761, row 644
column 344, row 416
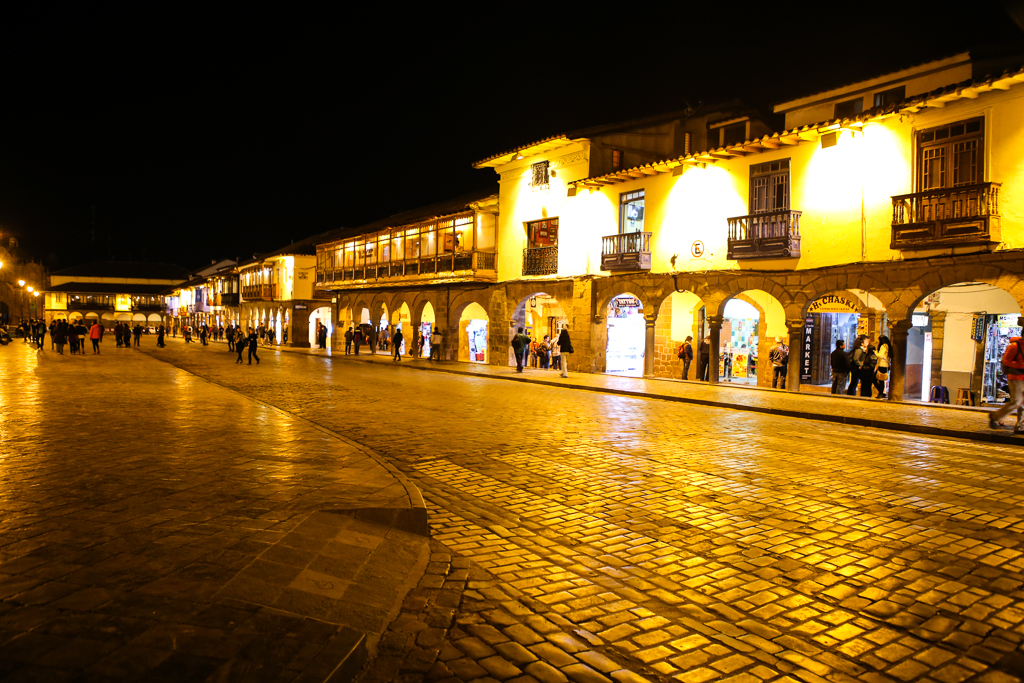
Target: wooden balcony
column 540, row 260
column 225, row 299
column 467, row 265
column 772, row 234
column 260, row 292
column 627, row 251
column 937, row 218
column 89, row 306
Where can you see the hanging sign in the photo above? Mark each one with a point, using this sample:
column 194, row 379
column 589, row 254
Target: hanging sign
column 805, row 356
column 978, row 327
column 627, row 302
column 832, row 303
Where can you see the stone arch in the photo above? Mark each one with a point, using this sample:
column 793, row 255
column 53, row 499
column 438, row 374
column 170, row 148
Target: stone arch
column 621, row 343
column 680, row 314
column 538, row 309
column 472, row 327
column 773, row 321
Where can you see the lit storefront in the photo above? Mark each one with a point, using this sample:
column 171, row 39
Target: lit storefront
column 999, row 329
column 626, row 337
column 737, row 360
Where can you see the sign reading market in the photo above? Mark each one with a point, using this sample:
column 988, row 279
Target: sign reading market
column 833, row 303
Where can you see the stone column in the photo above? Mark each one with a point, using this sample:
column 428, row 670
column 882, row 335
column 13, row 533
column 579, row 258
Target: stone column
column 715, row 325
column 795, row 328
column 938, row 319
column 649, row 321
column 899, row 329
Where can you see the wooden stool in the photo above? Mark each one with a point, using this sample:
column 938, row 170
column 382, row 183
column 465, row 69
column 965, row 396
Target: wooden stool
column 964, row 397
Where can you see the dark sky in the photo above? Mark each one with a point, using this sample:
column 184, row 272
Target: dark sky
column 165, row 134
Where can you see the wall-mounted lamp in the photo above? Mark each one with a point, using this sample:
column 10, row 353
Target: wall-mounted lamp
column 533, row 302
column 21, row 283
column 571, row 192
column 30, row 289
column 829, row 140
column 677, row 171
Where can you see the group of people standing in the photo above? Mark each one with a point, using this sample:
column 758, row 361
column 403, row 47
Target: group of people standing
column 74, row 333
column 865, row 364
column 543, row 354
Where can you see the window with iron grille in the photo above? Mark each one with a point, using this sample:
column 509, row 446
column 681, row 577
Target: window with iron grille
column 616, row 159
column 950, row 155
column 769, row 186
column 539, row 180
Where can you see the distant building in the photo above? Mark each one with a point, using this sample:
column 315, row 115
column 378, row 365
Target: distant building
column 21, row 280
column 112, row 292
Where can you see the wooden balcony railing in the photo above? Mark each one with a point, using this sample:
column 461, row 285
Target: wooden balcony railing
column 225, row 299
column 445, row 266
column 626, row 251
column 540, row 260
column 148, row 307
column 960, row 215
column 260, row 292
column 772, row 234
column 89, row 306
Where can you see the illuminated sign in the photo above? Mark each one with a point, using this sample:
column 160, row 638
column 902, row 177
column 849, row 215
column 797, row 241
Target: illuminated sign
column 832, row 303
column 805, row 356
column 919, row 319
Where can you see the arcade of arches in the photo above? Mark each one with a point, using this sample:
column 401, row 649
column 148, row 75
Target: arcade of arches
column 948, row 319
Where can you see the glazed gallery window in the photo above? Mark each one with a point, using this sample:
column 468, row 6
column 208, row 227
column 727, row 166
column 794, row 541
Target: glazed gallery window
column 950, row 156
column 769, row 186
column 631, row 212
column 542, row 233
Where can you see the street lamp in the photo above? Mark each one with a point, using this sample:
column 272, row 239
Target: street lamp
column 21, row 283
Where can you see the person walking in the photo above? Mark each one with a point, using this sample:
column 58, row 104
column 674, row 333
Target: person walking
column 520, row 343
column 556, row 356
column 1013, row 367
column 357, row 339
column 435, row 344
column 253, row 346
column 241, row 342
column 778, row 356
column 59, row 336
column 348, row 340
column 95, row 335
column 396, row 341
column 160, row 337
column 72, row 339
column 41, row 333
column 137, row 333
column 686, row 355
column 704, row 351
column 565, row 345
column 230, row 333
column 856, row 358
column 840, row 367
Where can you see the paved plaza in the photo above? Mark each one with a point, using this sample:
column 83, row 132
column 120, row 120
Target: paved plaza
column 149, row 497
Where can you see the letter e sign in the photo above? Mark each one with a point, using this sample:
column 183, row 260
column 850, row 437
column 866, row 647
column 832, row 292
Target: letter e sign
column 697, row 249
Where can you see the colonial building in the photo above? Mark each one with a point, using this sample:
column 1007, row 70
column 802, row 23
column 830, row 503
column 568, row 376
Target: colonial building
column 21, row 280
column 889, row 205
column 112, row 292
column 277, row 292
column 210, row 297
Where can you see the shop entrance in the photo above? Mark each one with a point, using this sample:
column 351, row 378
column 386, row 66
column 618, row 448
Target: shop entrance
column 473, row 334
column 321, row 316
column 626, row 337
column 540, row 315
column 737, row 355
column 426, row 331
column 833, row 317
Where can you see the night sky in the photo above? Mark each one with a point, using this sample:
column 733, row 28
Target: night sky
column 165, row 134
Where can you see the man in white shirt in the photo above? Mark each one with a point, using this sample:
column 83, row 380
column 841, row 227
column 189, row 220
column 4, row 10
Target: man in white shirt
column 435, row 344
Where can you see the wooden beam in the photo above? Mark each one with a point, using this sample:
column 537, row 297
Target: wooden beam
column 790, row 140
column 769, row 144
column 647, row 170
column 721, row 155
column 738, row 151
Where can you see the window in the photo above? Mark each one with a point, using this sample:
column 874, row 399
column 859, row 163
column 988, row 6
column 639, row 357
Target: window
column 616, row 159
column 769, row 186
column 950, row 156
column 542, row 233
column 849, row 108
column 539, row 171
column 631, row 212
column 891, row 96
column 734, row 134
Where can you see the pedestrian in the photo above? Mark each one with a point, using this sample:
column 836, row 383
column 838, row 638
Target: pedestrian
column 544, row 350
column 72, row 339
column 253, row 346
column 271, row 335
column 41, row 333
column 241, row 342
column 884, row 355
column 686, row 355
column 778, row 356
column 59, row 336
column 867, row 370
column 397, row 343
column 704, row 351
column 556, row 356
column 137, row 333
column 95, row 335
column 348, row 340
column 565, row 344
column 357, row 339
column 520, row 344
column 435, row 344
column 840, row 367
column 231, row 338
column 856, row 358
column 160, row 337
column 1013, row 367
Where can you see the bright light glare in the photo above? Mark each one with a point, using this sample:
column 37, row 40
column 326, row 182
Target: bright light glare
column 21, row 283
column 30, row 289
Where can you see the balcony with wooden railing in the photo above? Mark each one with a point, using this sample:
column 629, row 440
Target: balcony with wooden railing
column 464, row 266
column 948, row 217
column 771, row 234
column 260, row 292
column 540, row 260
column 626, row 251
column 225, row 299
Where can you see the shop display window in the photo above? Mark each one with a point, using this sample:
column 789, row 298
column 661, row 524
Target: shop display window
column 542, row 233
column 1000, row 329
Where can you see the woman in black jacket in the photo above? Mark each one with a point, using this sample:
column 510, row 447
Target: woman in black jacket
column 565, row 346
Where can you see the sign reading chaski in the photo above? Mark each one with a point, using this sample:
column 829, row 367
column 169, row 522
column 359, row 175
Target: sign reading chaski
column 832, row 303
column 697, row 249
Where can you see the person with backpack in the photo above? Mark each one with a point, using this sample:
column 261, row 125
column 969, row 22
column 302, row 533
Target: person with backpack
column 856, row 358
column 1013, row 368
column 686, row 355
column 520, row 344
column 778, row 356
column 867, row 370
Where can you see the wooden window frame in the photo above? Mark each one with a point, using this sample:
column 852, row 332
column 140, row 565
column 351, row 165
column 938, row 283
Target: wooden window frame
column 928, row 139
column 626, row 198
column 531, row 228
column 771, row 171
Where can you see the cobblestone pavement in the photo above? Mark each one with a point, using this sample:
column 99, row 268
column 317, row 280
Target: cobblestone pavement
column 157, row 527
column 596, row 537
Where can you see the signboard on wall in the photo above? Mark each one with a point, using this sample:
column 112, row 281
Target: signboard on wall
column 978, row 327
column 805, row 355
column 832, row 303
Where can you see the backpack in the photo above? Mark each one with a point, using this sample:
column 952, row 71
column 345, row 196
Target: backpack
column 939, row 394
column 1009, row 370
column 682, row 351
column 851, row 357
